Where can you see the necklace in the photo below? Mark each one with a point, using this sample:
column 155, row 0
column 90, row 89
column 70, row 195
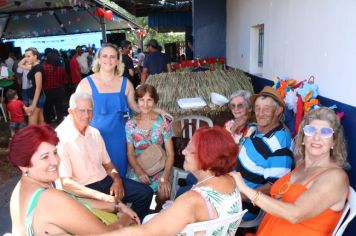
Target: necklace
column 204, row 180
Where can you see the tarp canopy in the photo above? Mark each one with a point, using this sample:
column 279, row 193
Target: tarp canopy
column 33, row 18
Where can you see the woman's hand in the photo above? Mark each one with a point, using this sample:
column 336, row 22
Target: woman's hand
column 164, row 189
column 163, row 113
column 239, row 181
column 128, row 211
column 145, row 178
column 29, row 110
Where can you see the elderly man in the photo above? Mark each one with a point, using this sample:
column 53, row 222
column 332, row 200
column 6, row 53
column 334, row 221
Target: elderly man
column 266, row 155
column 86, row 169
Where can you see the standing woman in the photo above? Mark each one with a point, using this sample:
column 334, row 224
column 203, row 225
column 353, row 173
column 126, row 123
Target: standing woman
column 36, row 96
column 112, row 95
column 55, row 80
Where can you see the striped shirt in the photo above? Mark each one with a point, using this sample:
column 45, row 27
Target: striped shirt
column 265, row 158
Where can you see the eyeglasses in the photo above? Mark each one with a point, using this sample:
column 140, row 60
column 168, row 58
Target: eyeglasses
column 236, row 106
column 83, row 111
column 325, row 132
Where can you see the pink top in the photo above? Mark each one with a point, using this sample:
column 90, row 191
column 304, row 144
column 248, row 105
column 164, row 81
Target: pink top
column 82, row 156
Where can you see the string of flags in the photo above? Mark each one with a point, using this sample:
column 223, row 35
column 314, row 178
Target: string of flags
column 100, row 12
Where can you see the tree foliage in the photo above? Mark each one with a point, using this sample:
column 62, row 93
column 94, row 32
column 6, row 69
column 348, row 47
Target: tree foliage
column 151, row 33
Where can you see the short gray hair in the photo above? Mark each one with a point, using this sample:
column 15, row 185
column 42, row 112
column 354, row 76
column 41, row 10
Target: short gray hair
column 79, row 96
column 245, row 94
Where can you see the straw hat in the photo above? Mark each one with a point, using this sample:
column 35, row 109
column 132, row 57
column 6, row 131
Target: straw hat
column 268, row 91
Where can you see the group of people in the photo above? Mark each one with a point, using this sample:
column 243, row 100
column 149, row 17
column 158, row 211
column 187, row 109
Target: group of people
column 94, row 155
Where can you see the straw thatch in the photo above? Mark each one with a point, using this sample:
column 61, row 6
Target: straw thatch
column 176, row 85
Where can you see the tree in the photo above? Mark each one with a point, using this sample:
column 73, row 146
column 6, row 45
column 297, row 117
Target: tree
column 162, row 38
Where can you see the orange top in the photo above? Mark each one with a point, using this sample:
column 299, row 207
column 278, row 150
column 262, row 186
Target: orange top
column 322, row 224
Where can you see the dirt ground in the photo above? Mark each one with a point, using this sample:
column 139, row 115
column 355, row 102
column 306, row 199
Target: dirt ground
column 7, row 171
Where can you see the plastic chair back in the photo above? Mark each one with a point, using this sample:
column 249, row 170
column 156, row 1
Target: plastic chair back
column 196, row 121
column 350, row 208
column 209, row 227
column 253, row 223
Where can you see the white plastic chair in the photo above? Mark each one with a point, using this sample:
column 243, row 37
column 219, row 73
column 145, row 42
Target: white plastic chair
column 193, row 119
column 350, row 207
column 177, row 174
column 2, row 104
column 253, row 223
column 221, row 224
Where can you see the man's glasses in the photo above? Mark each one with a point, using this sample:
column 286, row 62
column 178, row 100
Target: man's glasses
column 236, row 106
column 325, row 132
column 83, row 111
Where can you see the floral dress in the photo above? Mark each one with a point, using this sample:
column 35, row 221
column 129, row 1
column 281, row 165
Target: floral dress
column 159, row 132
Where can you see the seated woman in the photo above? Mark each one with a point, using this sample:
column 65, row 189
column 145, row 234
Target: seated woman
column 36, row 206
column 239, row 127
column 147, row 128
column 310, row 199
column 210, row 156
column 241, row 108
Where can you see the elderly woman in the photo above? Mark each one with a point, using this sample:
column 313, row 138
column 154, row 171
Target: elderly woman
column 301, row 202
column 143, row 130
column 36, row 96
column 210, row 156
column 241, row 108
column 36, row 207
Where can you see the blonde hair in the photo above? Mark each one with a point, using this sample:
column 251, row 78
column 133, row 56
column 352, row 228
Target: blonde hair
column 338, row 154
column 119, row 69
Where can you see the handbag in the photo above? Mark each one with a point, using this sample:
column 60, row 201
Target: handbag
column 179, row 144
column 153, row 159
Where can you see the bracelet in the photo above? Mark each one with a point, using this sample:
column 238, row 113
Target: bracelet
column 255, row 198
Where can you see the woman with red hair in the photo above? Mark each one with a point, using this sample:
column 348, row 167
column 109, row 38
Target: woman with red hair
column 36, row 207
column 210, row 156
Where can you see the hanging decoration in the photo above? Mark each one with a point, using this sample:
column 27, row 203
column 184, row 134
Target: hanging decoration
column 100, row 12
column 3, row 2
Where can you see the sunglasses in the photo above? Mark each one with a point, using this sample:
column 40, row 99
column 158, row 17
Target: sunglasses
column 325, row 132
column 236, row 106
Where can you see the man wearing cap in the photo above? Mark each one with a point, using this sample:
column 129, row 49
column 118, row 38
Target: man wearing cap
column 266, row 155
column 155, row 62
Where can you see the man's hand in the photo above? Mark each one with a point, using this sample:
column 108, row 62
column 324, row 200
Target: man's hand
column 117, row 189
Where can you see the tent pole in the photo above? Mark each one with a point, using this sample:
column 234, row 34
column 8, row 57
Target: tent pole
column 103, row 29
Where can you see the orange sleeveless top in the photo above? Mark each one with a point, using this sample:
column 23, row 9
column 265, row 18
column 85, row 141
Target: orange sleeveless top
column 322, row 224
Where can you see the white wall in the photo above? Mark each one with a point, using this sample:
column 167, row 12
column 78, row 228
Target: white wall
column 302, row 38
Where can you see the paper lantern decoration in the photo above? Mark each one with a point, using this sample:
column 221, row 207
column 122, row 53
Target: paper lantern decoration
column 102, row 13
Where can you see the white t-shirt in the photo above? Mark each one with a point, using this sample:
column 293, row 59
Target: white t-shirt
column 83, row 62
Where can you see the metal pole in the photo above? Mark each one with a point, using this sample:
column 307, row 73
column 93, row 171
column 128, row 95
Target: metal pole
column 103, row 29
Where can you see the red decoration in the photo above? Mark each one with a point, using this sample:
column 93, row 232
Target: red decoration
column 3, row 2
column 102, row 13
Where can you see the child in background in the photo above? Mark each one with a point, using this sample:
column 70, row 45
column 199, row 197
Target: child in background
column 15, row 109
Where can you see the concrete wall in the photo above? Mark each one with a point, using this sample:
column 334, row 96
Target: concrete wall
column 301, row 38
column 209, row 28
